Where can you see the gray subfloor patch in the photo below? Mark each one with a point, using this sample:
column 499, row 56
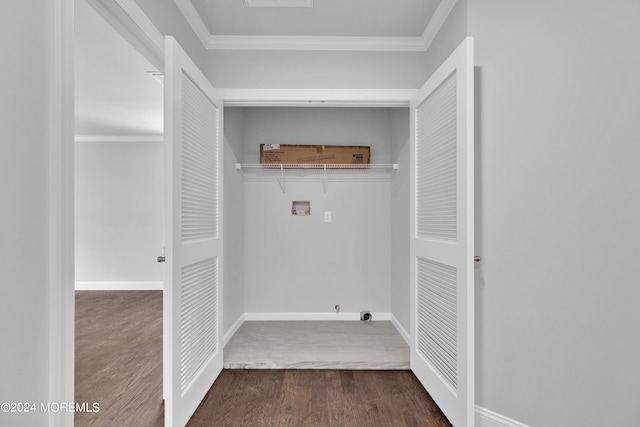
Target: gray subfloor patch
column 316, row 345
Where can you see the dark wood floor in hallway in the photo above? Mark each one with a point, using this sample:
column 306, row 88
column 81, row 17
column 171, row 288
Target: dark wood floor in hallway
column 119, row 366
column 279, row 397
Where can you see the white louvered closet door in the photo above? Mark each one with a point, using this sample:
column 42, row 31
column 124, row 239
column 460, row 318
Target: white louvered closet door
column 193, row 226
column 442, row 295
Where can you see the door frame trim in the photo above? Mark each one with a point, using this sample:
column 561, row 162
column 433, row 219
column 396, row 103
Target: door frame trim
column 297, row 97
column 61, row 211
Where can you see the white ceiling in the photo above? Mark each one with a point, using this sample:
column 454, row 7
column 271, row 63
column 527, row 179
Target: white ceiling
column 372, row 25
column 335, row 18
column 114, row 93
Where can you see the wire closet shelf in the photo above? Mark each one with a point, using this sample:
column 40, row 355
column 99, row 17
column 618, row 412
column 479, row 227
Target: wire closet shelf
column 318, row 168
column 323, row 172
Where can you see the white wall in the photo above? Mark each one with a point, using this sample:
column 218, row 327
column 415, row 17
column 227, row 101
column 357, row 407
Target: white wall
column 310, row 125
column 400, row 211
column 301, row 264
column 25, row 33
column 557, row 224
column 300, row 69
column 233, row 307
column 119, row 212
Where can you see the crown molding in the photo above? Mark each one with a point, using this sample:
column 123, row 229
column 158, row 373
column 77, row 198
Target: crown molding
column 437, row 21
column 119, row 138
column 326, row 43
column 195, row 20
column 335, row 43
column 278, row 97
column 126, row 17
column 279, row 3
column 137, row 15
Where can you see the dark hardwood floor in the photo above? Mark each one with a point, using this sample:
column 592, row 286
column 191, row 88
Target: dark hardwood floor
column 119, row 366
column 293, row 397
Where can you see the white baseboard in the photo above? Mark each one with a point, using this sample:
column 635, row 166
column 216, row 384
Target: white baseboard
column 402, row 331
column 487, row 418
column 232, row 330
column 312, row 316
column 119, row 286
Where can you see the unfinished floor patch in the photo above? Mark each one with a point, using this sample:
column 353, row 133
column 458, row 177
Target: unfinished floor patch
column 316, row 345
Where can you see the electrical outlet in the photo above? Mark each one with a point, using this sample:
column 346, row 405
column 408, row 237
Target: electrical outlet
column 327, row 216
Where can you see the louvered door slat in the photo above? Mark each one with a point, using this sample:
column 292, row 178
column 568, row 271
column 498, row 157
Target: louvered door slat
column 198, row 318
column 437, row 305
column 436, row 164
column 199, row 164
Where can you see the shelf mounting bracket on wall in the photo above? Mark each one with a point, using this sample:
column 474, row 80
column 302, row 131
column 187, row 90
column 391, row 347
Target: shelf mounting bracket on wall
column 324, row 181
column 281, row 180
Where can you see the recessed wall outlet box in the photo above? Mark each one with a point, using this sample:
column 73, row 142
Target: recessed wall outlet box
column 327, row 216
column 300, row 208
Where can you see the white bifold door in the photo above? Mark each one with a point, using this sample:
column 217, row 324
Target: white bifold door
column 193, row 236
column 442, row 208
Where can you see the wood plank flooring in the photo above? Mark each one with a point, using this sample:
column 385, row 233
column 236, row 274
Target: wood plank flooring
column 119, row 366
column 118, row 357
column 317, row 398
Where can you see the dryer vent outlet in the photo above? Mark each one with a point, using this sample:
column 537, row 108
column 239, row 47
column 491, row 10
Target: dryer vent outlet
column 365, row 316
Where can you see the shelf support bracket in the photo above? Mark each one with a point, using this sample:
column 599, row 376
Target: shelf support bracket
column 324, row 181
column 281, row 181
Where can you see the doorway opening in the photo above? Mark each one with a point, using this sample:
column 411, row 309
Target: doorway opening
column 118, row 226
column 349, row 251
